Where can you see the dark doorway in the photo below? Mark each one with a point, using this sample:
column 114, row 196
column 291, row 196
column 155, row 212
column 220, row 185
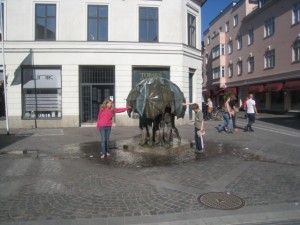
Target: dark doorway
column 96, row 84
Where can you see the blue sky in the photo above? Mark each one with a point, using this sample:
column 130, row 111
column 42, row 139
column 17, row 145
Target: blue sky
column 211, row 9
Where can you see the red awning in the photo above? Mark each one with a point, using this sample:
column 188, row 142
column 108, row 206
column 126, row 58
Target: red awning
column 274, row 87
column 232, row 90
column 256, row 88
column 220, row 92
column 292, row 85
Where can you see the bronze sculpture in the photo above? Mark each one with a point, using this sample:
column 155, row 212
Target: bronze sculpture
column 157, row 101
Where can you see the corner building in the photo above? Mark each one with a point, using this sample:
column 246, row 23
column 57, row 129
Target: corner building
column 63, row 58
column 254, row 47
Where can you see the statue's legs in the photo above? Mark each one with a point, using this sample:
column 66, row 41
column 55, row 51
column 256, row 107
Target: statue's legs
column 177, row 134
column 144, row 137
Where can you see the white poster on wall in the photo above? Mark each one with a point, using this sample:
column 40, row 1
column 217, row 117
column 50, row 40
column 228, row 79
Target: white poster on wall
column 41, row 78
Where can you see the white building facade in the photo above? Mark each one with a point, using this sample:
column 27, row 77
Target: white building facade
column 63, row 58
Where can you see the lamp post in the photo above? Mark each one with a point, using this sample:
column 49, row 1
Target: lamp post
column 4, row 69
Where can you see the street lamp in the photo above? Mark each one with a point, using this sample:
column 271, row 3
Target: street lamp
column 4, row 69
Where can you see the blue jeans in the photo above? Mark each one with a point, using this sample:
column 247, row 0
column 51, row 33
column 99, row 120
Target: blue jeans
column 251, row 120
column 227, row 123
column 104, row 132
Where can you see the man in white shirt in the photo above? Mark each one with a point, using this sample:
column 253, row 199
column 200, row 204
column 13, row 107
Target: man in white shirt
column 251, row 113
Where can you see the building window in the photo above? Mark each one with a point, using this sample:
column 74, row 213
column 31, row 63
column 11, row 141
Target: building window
column 192, row 30
column 240, row 67
column 261, row 3
column 227, row 26
column 222, row 49
column 296, row 51
column 42, row 93
column 45, row 22
column 239, row 42
column 251, row 64
column 270, row 59
column 2, row 15
column 250, row 37
column 223, row 71
column 296, row 13
column 230, row 70
column 235, row 21
column 269, row 27
column 215, row 52
column 216, row 73
column 208, row 40
column 148, row 24
column 97, row 23
column 230, row 47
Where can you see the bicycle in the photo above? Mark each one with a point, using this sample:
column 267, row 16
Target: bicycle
column 216, row 114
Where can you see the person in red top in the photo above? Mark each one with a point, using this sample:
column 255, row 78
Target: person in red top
column 104, row 123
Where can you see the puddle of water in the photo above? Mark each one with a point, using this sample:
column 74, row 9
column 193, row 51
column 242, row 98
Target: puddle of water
column 130, row 153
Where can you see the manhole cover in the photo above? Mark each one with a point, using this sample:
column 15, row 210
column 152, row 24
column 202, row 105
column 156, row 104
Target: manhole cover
column 221, row 200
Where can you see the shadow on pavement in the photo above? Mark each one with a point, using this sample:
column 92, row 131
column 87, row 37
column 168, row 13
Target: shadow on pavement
column 287, row 121
column 6, row 140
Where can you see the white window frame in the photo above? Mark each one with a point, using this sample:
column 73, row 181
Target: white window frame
column 235, row 20
column 296, row 51
column 216, row 73
column 270, row 59
column 239, row 42
column 250, row 36
column 269, row 27
column 251, row 64
column 230, row 47
column 215, row 52
column 239, row 67
column 230, row 70
column 227, row 26
column 296, row 13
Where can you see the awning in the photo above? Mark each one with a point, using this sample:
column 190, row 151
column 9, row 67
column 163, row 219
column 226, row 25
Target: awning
column 274, row 87
column 256, row 88
column 232, row 90
column 220, row 92
column 292, row 85
column 206, row 93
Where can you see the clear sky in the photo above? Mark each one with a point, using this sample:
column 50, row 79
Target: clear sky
column 211, row 9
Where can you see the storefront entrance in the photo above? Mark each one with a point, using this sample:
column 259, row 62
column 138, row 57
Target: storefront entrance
column 96, row 84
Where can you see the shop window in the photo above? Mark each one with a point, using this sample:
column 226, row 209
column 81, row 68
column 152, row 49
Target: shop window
column 42, row 93
column 295, row 100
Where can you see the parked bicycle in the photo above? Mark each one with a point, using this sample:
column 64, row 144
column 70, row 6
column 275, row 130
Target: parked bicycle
column 216, row 114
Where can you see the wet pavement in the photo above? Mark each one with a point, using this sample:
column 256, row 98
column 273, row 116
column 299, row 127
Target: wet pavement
column 55, row 176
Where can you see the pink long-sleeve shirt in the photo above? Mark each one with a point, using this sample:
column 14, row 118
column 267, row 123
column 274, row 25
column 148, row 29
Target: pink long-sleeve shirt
column 105, row 116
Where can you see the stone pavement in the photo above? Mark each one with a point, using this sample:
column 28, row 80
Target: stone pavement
column 54, row 176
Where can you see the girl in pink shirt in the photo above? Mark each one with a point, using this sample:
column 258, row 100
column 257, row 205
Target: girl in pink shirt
column 104, row 123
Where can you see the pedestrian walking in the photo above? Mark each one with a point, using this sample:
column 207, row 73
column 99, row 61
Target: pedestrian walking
column 227, row 115
column 198, row 126
column 209, row 108
column 235, row 110
column 251, row 113
column 104, row 124
column 245, row 107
